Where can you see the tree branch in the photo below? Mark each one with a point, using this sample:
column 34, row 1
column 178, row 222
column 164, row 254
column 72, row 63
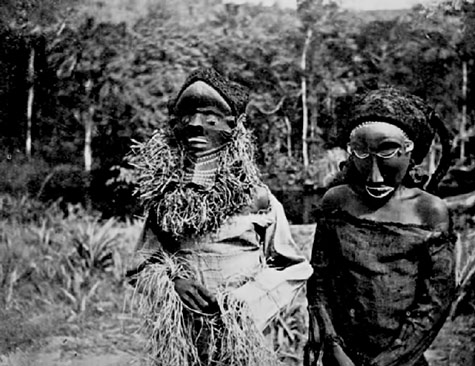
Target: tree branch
column 269, row 111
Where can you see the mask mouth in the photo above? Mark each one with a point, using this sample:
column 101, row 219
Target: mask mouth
column 379, row 191
column 197, row 140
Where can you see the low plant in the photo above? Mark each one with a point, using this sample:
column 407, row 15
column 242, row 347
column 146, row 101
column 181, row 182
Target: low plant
column 24, row 210
column 465, row 271
column 57, row 255
column 288, row 331
column 94, row 243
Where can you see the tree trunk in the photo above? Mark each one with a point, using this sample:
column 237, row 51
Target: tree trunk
column 88, row 140
column 289, row 136
column 88, row 126
column 31, row 95
column 463, row 122
column 314, row 120
column 303, row 66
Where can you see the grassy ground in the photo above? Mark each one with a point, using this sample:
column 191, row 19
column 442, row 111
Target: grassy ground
column 63, row 300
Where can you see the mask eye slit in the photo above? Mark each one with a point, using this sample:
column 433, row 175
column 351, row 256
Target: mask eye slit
column 388, row 154
column 355, row 152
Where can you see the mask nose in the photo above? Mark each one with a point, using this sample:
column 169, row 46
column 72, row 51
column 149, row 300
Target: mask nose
column 196, row 120
column 376, row 176
column 194, row 126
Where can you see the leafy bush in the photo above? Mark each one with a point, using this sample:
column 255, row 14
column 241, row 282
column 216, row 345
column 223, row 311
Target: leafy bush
column 36, row 178
column 21, row 176
column 48, row 255
column 24, row 210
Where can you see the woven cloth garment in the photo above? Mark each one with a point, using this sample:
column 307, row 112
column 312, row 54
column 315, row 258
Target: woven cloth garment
column 387, row 287
column 253, row 255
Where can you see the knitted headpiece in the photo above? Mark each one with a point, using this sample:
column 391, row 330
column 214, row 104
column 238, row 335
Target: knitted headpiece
column 234, row 94
column 405, row 111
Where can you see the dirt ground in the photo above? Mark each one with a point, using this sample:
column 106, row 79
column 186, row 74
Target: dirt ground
column 113, row 337
column 115, row 340
column 112, row 345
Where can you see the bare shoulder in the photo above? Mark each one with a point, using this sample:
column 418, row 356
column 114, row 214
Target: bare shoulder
column 262, row 199
column 337, row 197
column 432, row 210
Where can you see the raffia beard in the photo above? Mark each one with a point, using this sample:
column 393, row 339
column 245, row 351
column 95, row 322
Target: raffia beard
column 185, row 210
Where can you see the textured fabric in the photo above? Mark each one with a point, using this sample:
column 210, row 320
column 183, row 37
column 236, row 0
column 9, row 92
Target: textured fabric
column 406, row 111
column 252, row 255
column 234, row 94
column 386, row 287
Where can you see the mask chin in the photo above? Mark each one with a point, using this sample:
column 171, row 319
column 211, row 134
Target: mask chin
column 379, row 192
column 206, row 153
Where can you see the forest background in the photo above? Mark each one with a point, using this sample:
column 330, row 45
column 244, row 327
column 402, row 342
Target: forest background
column 81, row 79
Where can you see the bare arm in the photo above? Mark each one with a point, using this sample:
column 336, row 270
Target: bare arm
column 317, row 285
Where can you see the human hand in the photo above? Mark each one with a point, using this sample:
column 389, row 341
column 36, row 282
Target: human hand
column 341, row 357
column 311, row 355
column 196, row 296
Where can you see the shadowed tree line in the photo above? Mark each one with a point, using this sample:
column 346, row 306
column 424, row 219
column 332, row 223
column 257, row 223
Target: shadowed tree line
column 79, row 80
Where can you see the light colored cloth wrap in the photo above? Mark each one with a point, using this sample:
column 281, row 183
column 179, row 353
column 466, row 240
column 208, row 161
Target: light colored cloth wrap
column 252, row 255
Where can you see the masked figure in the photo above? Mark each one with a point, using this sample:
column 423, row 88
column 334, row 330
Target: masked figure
column 383, row 253
column 216, row 261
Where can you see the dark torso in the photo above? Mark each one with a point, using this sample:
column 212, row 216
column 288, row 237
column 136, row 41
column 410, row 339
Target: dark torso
column 375, row 269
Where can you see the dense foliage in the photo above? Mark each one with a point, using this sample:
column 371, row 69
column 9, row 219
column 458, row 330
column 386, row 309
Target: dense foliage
column 108, row 71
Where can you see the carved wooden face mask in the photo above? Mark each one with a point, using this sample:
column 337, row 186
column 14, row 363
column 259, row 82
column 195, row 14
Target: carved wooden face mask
column 203, row 122
column 381, row 153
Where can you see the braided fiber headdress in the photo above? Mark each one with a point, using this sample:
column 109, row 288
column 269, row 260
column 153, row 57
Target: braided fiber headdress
column 406, row 111
column 234, row 94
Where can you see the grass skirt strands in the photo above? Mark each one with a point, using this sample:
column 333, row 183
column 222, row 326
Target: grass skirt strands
column 162, row 311
column 180, row 336
column 185, row 210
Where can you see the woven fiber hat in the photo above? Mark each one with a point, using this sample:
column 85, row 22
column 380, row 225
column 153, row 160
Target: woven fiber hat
column 406, row 111
column 234, row 94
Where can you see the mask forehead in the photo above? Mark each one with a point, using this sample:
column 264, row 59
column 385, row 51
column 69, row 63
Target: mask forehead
column 201, row 95
column 372, row 133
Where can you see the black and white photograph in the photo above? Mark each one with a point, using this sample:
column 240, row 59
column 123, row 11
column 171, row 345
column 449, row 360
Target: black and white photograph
column 237, row 183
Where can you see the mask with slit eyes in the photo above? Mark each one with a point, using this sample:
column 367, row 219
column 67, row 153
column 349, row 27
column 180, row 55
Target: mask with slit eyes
column 381, row 153
column 203, row 122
